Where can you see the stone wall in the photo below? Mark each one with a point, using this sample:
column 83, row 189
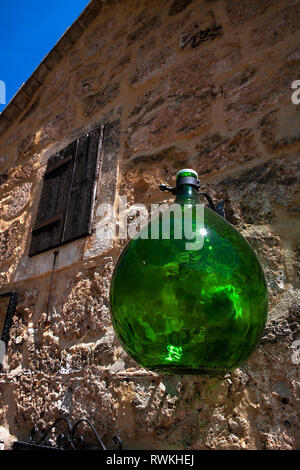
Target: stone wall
column 203, row 84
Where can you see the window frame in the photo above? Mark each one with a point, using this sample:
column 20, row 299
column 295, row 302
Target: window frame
column 11, row 309
column 63, row 217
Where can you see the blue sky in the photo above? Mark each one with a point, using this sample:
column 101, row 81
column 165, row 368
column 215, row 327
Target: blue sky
column 29, row 29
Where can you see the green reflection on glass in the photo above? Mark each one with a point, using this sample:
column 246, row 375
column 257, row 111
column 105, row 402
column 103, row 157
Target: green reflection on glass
column 174, row 353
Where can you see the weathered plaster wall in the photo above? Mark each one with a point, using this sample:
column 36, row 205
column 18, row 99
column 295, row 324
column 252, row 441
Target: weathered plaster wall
column 201, row 84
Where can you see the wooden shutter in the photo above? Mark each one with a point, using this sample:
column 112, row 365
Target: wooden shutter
column 68, row 194
column 49, row 225
column 84, row 184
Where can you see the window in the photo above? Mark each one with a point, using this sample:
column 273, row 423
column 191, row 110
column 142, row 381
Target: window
column 7, row 309
column 68, row 194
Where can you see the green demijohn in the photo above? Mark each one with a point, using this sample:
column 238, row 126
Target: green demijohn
column 180, row 308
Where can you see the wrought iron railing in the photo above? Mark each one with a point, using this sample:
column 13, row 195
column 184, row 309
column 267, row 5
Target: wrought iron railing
column 64, row 441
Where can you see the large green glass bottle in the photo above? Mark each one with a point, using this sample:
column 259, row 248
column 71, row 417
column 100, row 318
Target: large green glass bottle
column 189, row 311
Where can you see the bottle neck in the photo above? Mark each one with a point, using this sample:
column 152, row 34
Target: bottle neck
column 186, row 194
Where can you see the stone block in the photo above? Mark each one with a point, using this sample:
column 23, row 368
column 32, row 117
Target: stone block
column 257, row 193
column 11, row 112
column 178, row 6
column 154, row 65
column 15, row 201
column 21, row 99
column 143, row 173
column 31, row 86
column 176, row 118
column 10, row 239
column 74, row 32
column 41, row 73
column 247, row 95
column 216, row 152
column 147, row 47
column 276, row 27
column 93, row 103
column 120, row 65
column 52, row 59
column 30, row 109
column 179, row 105
column 198, row 35
column 86, row 17
column 63, row 45
column 279, row 128
column 241, row 12
column 173, row 28
column 142, row 31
